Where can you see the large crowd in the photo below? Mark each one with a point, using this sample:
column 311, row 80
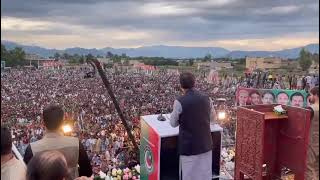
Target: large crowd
column 267, row 80
column 26, row 92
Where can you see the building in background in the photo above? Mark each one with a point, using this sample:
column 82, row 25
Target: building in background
column 104, row 60
column 40, row 62
column 32, row 57
column 134, row 62
column 263, row 63
column 220, row 65
column 141, row 67
column 217, row 65
column 203, row 65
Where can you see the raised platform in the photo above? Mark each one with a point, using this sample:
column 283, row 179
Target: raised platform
column 158, row 152
column 164, row 129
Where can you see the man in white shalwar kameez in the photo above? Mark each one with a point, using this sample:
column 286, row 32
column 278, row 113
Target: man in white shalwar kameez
column 193, row 112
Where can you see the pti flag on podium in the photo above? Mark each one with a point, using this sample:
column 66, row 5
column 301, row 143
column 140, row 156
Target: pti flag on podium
column 149, row 157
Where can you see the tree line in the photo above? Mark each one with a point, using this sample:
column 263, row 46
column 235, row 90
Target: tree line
column 17, row 57
column 14, row 57
column 306, row 59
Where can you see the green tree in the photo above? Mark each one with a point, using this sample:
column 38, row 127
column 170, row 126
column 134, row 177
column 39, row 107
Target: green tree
column 67, row 56
column 109, row 55
column 191, row 62
column 15, row 57
column 81, row 60
column 241, row 61
column 90, row 57
column 116, row 58
column 207, row 58
column 315, row 58
column 123, row 56
column 75, row 59
column 3, row 51
column 305, row 59
column 56, row 56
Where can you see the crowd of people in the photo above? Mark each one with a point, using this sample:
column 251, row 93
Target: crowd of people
column 26, row 92
column 267, row 80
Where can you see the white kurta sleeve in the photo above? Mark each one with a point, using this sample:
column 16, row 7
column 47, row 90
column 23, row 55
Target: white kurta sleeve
column 177, row 110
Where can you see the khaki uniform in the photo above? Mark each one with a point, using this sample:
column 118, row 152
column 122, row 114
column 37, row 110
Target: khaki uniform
column 312, row 171
column 68, row 146
column 13, row 170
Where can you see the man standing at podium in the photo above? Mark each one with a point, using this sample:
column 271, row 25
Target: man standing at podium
column 192, row 112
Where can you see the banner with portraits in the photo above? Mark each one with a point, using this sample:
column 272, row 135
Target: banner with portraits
column 251, row 96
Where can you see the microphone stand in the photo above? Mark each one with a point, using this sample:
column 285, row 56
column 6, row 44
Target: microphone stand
column 161, row 117
column 122, row 116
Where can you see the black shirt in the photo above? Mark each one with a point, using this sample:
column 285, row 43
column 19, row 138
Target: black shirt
column 85, row 168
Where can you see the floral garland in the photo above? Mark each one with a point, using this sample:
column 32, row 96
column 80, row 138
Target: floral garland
column 118, row 174
column 279, row 110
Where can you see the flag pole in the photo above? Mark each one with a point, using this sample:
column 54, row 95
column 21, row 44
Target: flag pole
column 115, row 102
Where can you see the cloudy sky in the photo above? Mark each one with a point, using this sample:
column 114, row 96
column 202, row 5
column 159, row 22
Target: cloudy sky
column 232, row 24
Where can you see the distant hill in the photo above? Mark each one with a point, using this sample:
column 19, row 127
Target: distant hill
column 286, row 53
column 166, row 51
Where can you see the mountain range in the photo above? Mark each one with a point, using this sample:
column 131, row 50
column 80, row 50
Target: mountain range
column 165, row 51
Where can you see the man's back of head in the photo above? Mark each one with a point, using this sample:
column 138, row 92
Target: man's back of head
column 11, row 168
column 53, row 117
column 187, row 80
column 48, row 165
column 315, row 91
column 6, row 141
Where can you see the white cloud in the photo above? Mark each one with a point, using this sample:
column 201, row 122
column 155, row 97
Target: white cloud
column 20, row 30
column 163, row 9
column 278, row 10
column 284, row 9
column 167, row 22
column 10, row 23
column 262, row 44
column 24, row 31
column 218, row 2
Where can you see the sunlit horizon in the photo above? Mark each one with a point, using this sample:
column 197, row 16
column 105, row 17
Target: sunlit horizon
column 230, row 24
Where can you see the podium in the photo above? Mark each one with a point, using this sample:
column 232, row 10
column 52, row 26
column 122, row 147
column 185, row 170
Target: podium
column 266, row 143
column 159, row 157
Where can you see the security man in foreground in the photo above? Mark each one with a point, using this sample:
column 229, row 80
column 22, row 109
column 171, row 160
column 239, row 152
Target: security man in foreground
column 54, row 139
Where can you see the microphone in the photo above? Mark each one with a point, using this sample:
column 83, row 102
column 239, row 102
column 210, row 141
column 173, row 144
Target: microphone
column 161, row 117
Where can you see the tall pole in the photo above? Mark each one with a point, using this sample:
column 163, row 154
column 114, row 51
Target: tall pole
column 115, row 102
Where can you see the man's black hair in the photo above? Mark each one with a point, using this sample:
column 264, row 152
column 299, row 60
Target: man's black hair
column 296, row 94
column 282, row 92
column 254, row 92
column 187, row 80
column 268, row 92
column 315, row 91
column 47, row 165
column 53, row 117
column 6, row 141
